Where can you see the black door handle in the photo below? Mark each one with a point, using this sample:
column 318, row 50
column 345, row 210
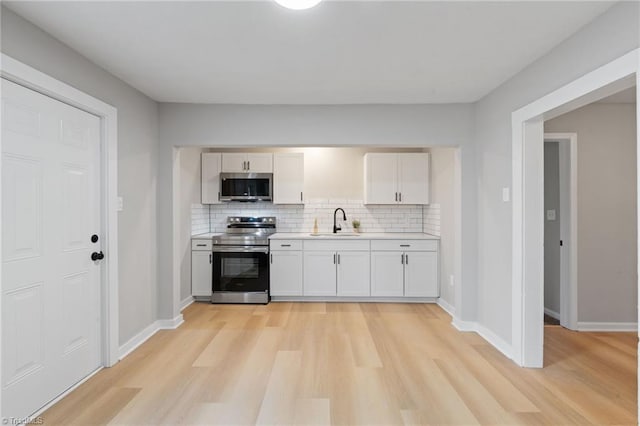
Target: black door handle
column 97, row 256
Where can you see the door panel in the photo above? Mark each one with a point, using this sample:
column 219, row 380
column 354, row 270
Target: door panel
column 413, row 186
column 381, row 179
column 234, row 162
column 319, row 273
column 288, row 178
column 353, row 273
column 260, row 162
column 387, row 274
column 22, row 204
column 50, row 208
column 286, row 273
column 421, row 274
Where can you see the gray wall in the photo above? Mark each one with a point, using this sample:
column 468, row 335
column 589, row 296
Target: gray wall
column 190, row 184
column 552, row 227
column 300, row 126
column 607, row 248
column 443, row 193
column 137, row 159
column 610, row 36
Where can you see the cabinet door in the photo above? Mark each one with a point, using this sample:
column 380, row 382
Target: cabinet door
column 288, row 178
column 234, row 162
column 201, row 273
column 285, row 273
column 387, row 273
column 421, row 274
column 210, row 185
column 381, row 177
column 260, row 163
column 353, row 273
column 319, row 273
column 413, row 182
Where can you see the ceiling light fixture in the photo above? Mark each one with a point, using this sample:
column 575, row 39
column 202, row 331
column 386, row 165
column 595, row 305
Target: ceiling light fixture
column 298, row 4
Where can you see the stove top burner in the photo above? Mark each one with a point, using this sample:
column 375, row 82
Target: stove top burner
column 247, row 231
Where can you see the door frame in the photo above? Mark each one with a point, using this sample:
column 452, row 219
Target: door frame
column 24, row 75
column 528, row 195
column 568, row 184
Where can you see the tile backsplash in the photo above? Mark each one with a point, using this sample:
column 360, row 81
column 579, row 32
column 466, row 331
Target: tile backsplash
column 431, row 219
column 300, row 218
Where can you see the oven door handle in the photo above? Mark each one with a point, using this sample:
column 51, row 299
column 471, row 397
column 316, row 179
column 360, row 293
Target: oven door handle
column 229, row 249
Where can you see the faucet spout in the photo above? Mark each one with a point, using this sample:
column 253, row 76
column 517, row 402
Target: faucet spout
column 337, row 228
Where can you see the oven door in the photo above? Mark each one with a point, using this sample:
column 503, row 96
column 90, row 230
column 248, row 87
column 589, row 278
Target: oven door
column 240, row 274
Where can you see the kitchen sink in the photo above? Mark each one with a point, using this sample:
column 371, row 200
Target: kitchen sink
column 329, row 234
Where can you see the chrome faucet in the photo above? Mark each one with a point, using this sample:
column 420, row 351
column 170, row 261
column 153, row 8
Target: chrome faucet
column 337, row 228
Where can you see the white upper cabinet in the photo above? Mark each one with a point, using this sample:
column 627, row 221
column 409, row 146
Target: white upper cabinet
column 288, row 178
column 381, row 178
column 234, row 162
column 241, row 162
column 413, row 178
column 211, row 167
column 396, row 178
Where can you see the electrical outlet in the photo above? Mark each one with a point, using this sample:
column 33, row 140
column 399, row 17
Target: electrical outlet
column 120, row 204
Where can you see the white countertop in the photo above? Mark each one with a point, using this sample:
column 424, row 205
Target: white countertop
column 362, row 236
column 205, row 236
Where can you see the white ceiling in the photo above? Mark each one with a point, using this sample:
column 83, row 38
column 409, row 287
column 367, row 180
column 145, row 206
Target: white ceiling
column 339, row 52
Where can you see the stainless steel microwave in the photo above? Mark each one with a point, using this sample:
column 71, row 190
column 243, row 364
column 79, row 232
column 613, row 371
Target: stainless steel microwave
column 246, row 186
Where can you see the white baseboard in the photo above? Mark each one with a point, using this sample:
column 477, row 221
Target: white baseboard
column 488, row 335
column 607, row 326
column 137, row 340
column 170, row 324
column 446, row 306
column 365, row 299
column 133, row 343
column 186, row 302
column 552, row 314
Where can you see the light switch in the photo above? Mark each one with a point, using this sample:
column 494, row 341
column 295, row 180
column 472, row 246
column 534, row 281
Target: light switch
column 505, row 194
column 120, row 204
column 551, row 215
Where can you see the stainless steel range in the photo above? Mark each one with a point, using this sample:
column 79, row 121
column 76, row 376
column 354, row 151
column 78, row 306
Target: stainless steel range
column 241, row 260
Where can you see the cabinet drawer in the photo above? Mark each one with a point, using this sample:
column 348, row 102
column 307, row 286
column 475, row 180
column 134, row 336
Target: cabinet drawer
column 276, row 245
column 335, row 245
column 404, row 245
column 201, row 245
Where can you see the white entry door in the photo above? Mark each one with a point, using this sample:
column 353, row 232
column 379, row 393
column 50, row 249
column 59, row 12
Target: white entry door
column 50, row 285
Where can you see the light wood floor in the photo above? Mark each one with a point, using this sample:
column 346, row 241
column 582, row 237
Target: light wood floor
column 353, row 364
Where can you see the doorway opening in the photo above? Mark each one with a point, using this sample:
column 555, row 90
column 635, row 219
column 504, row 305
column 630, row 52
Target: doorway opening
column 528, row 196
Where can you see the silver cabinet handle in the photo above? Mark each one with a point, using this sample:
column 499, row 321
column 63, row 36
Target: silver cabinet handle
column 301, row 196
column 201, row 245
column 396, row 196
column 405, row 245
column 218, row 195
column 406, row 257
column 210, row 258
column 334, row 258
column 248, row 165
column 338, row 259
column 400, row 196
column 285, row 245
column 271, row 257
column 402, row 258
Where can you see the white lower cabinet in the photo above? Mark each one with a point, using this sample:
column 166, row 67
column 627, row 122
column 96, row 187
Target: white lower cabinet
column 357, row 268
column 421, row 274
column 201, row 273
column 404, row 268
column 285, row 273
column 319, row 273
column 353, row 273
column 387, row 274
column 342, row 273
